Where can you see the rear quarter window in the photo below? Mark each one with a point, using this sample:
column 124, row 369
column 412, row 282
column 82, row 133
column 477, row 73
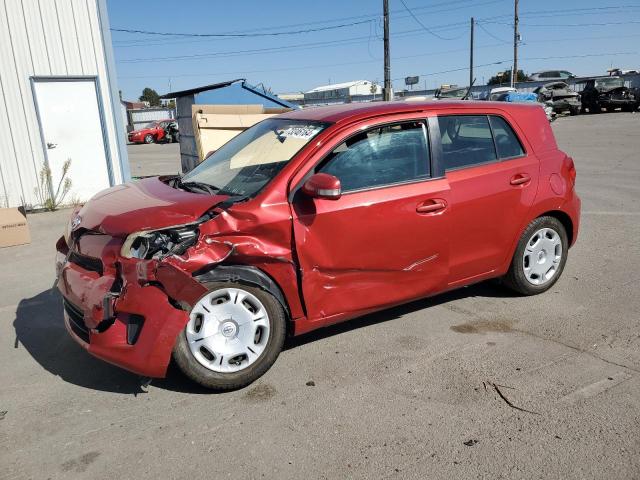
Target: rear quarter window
column 507, row 143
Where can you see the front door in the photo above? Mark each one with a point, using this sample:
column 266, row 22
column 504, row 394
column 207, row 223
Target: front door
column 71, row 128
column 385, row 240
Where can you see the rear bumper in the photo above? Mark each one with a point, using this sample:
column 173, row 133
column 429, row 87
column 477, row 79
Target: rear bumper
column 572, row 208
column 134, row 328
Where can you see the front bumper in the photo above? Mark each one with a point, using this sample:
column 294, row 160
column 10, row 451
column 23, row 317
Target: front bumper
column 121, row 315
column 565, row 104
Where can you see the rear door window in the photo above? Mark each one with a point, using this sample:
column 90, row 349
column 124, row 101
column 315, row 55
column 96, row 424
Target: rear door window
column 507, row 143
column 466, row 141
column 386, row 155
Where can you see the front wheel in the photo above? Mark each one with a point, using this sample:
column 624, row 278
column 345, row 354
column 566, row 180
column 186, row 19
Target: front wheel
column 233, row 336
column 539, row 258
column 148, row 138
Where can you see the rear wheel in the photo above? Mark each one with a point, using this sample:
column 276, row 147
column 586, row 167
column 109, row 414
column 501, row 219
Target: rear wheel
column 539, row 258
column 148, row 138
column 234, row 334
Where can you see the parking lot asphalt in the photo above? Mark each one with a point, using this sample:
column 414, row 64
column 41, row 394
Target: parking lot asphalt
column 476, row 383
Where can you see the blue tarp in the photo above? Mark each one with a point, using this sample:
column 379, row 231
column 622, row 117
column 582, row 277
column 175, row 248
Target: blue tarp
column 521, row 97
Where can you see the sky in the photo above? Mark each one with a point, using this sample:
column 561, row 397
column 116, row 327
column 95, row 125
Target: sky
column 341, row 40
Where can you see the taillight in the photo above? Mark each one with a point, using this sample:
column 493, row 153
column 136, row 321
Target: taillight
column 572, row 171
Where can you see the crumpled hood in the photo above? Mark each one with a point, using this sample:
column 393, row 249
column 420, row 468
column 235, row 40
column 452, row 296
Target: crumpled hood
column 146, row 204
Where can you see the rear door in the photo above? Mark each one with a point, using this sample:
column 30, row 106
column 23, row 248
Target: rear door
column 383, row 241
column 493, row 177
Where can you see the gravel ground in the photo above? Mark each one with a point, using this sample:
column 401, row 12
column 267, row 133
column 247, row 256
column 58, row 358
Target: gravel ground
column 476, row 383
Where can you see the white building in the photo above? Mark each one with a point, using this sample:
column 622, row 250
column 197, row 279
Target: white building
column 58, row 100
column 358, row 90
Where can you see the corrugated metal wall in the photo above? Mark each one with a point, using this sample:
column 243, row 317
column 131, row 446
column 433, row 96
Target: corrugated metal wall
column 48, row 38
column 139, row 118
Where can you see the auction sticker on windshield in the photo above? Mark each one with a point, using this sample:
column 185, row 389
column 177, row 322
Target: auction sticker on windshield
column 304, row 132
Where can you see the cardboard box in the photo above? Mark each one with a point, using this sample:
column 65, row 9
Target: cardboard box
column 13, row 227
column 215, row 125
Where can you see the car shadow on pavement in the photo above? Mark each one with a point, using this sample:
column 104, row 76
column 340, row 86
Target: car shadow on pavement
column 486, row 289
column 39, row 328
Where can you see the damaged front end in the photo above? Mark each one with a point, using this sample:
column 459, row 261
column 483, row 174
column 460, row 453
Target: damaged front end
column 126, row 299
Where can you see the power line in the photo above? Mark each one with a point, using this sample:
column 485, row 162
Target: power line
column 235, row 35
column 372, row 17
column 307, row 67
column 548, row 25
column 492, row 35
column 346, row 41
column 537, row 13
column 427, row 29
column 500, row 62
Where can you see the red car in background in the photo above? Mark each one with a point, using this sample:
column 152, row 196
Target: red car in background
column 311, row 218
column 151, row 132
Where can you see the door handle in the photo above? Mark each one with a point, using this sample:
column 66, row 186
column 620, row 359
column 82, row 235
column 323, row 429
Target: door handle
column 431, row 206
column 520, row 179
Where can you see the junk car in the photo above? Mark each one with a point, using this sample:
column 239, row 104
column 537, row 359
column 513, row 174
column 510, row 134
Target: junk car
column 311, row 218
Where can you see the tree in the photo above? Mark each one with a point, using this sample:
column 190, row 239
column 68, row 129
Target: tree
column 151, row 96
column 505, row 77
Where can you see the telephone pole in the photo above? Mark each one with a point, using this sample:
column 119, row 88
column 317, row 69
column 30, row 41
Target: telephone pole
column 387, row 61
column 516, row 37
column 471, row 56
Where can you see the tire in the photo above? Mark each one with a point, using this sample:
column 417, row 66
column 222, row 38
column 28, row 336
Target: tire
column 209, row 367
column 148, row 138
column 573, row 111
column 522, row 279
column 611, row 109
column 595, row 108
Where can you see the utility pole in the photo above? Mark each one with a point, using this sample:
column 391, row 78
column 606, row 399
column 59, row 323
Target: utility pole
column 516, row 37
column 471, row 56
column 387, row 63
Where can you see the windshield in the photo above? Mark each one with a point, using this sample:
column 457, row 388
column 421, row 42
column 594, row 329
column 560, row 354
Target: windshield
column 252, row 159
column 609, row 83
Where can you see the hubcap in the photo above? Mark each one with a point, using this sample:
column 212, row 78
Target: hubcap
column 542, row 256
column 228, row 330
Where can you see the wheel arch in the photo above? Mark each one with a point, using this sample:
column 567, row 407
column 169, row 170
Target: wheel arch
column 245, row 275
column 564, row 219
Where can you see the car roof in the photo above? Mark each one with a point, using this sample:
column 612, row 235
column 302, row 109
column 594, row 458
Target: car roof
column 349, row 112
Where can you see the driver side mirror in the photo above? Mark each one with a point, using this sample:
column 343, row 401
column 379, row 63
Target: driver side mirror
column 323, row 185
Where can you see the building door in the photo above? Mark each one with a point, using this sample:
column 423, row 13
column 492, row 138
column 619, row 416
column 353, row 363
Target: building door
column 71, row 128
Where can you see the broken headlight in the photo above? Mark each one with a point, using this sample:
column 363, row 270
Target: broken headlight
column 158, row 244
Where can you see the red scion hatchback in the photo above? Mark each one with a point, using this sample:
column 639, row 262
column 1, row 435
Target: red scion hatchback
column 310, row 218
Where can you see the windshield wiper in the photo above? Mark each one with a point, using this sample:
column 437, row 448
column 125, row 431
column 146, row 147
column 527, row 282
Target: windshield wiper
column 211, row 189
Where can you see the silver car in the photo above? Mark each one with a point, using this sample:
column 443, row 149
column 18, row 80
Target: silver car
column 551, row 75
